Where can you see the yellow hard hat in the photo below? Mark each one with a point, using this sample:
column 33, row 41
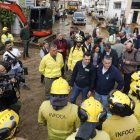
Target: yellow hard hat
column 8, row 123
column 136, row 76
column 135, row 87
column 60, row 86
column 119, row 99
column 4, row 29
column 91, row 110
column 78, row 38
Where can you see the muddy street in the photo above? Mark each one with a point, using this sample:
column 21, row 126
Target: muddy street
column 32, row 99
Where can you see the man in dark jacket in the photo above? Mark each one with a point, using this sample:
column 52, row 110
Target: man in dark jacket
column 123, row 37
column 109, row 51
column 25, row 37
column 83, row 78
column 61, row 44
column 137, row 44
column 107, row 75
column 87, row 43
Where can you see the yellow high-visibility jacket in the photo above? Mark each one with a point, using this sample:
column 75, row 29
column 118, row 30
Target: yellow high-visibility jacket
column 50, row 67
column 136, row 111
column 60, row 123
column 8, row 37
column 75, row 56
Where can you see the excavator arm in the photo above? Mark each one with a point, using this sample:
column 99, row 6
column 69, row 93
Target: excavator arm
column 15, row 9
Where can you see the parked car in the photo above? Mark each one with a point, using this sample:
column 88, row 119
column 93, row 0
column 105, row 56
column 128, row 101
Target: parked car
column 79, row 18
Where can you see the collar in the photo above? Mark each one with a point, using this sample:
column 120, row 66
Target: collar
column 83, row 64
column 104, row 70
column 86, row 44
column 108, row 52
column 78, row 48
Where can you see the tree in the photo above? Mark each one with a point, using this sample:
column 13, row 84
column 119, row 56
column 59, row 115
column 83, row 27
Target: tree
column 6, row 16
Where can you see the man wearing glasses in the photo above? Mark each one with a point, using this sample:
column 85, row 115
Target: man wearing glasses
column 51, row 66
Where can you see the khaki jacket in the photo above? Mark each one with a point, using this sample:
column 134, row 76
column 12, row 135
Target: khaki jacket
column 121, row 128
column 60, row 123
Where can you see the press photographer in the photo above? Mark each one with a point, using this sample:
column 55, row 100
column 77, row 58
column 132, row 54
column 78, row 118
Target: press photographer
column 12, row 56
column 8, row 89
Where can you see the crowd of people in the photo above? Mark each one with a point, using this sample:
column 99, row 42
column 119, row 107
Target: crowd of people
column 102, row 74
column 12, row 78
column 105, row 74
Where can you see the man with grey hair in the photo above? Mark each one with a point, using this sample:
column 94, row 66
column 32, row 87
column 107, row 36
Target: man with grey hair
column 119, row 47
column 107, row 75
column 131, row 60
column 51, row 66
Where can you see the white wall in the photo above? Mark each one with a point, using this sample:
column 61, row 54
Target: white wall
column 15, row 27
column 111, row 11
column 138, row 19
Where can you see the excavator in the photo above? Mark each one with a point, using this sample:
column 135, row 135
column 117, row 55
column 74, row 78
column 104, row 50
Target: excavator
column 40, row 18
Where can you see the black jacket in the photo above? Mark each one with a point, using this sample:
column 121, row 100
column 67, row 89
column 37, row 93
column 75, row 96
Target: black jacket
column 114, row 56
column 84, row 77
column 82, row 34
column 137, row 43
column 88, row 49
column 123, row 40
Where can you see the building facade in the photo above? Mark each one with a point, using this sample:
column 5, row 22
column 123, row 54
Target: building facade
column 116, row 7
column 132, row 13
column 129, row 8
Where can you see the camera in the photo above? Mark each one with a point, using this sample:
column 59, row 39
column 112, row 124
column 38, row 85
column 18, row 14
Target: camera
column 11, row 60
column 5, row 83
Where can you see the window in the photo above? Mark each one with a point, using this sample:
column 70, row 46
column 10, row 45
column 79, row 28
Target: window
column 135, row 5
column 117, row 5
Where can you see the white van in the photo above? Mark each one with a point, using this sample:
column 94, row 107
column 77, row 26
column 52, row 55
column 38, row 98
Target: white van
column 100, row 14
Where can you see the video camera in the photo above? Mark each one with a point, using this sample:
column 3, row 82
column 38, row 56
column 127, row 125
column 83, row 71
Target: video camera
column 7, row 84
column 14, row 61
column 11, row 60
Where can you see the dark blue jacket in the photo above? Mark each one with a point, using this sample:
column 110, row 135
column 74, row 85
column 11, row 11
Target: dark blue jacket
column 106, row 82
